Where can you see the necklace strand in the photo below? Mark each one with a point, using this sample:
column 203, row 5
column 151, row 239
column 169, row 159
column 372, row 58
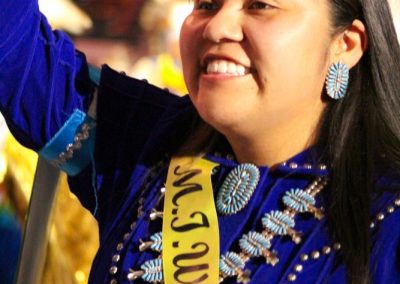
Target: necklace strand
column 253, row 244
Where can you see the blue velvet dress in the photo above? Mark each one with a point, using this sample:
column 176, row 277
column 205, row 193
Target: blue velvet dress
column 45, row 92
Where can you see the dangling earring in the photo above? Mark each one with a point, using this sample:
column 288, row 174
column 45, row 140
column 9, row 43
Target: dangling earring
column 337, row 80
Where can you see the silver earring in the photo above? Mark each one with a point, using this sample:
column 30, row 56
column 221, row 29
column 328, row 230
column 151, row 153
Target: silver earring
column 337, row 80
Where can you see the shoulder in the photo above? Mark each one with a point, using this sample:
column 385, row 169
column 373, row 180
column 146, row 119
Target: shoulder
column 385, row 229
column 385, row 200
column 134, row 116
column 117, row 84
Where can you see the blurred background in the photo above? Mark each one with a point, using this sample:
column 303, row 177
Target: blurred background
column 138, row 37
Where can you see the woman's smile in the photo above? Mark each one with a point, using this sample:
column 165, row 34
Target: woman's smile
column 252, row 67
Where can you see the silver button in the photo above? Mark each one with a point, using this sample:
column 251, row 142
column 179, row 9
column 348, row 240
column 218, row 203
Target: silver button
column 120, row 246
column 298, row 268
column 113, row 270
column 380, row 216
column 116, row 258
column 304, row 257
column 326, row 250
column 292, row 277
column 315, row 254
column 337, row 246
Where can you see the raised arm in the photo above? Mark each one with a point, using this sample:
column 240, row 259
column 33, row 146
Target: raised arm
column 44, row 82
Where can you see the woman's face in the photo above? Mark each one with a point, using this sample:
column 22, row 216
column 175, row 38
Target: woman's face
column 252, row 65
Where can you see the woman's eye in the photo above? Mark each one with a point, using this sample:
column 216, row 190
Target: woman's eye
column 206, row 5
column 259, row 5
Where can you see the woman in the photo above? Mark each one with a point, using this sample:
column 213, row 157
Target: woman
column 276, row 147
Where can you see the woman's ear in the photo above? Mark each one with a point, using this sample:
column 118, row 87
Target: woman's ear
column 350, row 45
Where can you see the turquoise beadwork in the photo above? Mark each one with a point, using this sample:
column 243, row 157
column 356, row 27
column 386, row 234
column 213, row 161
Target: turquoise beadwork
column 237, row 189
column 152, row 271
column 277, row 222
column 157, row 242
column 230, row 263
column 298, row 200
column 337, row 80
column 254, row 244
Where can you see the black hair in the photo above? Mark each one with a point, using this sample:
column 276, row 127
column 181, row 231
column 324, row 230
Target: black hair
column 362, row 131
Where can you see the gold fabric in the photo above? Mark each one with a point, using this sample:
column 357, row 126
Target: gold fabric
column 73, row 239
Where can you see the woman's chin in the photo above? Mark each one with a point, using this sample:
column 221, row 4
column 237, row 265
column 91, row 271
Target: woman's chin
column 224, row 120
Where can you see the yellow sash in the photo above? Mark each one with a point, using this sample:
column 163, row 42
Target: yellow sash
column 190, row 224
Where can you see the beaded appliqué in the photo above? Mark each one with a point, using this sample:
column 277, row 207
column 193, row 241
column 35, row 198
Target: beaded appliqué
column 79, row 138
column 237, row 189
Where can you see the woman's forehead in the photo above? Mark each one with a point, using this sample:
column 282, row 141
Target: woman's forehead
column 271, row 2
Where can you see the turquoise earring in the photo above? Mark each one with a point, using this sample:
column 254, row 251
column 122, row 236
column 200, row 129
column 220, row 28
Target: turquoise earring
column 337, row 80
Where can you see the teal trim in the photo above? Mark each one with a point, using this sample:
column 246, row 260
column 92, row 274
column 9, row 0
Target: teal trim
column 64, row 137
column 94, row 74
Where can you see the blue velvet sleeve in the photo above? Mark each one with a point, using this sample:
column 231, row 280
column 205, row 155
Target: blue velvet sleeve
column 43, row 79
column 138, row 125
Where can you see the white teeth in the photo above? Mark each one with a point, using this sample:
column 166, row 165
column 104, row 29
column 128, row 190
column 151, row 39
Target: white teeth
column 241, row 69
column 226, row 67
column 213, row 68
column 231, row 67
column 222, row 67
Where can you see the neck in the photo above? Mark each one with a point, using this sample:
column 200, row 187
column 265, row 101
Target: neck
column 274, row 145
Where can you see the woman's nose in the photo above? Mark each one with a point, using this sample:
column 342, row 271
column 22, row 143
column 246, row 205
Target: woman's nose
column 224, row 25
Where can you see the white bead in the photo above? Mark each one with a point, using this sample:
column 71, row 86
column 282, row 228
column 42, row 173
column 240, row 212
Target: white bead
column 337, row 246
column 292, row 277
column 315, row 254
column 298, row 268
column 120, row 246
column 322, row 167
column 326, row 250
column 113, row 270
column 304, row 257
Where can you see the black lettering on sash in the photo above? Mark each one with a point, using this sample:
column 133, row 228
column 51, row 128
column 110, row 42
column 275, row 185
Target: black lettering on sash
column 191, row 268
column 191, row 226
column 180, row 182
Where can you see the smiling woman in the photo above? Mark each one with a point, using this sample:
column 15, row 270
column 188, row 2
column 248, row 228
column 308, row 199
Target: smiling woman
column 292, row 122
column 253, row 84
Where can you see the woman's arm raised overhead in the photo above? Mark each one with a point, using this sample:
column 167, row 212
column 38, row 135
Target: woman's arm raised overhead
column 44, row 82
